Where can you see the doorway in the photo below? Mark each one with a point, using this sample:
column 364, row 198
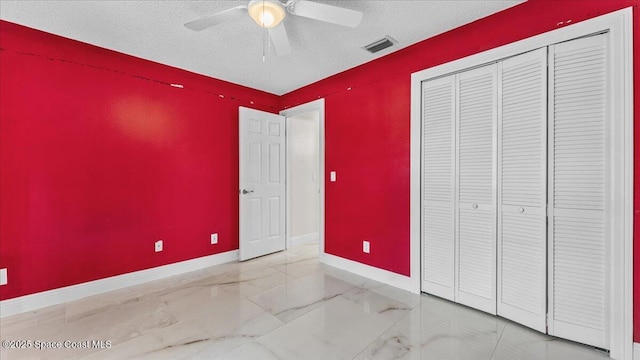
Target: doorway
column 305, row 175
column 303, row 180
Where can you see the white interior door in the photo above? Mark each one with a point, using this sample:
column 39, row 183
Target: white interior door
column 579, row 191
column 262, row 183
column 438, row 187
column 522, row 189
column 476, row 223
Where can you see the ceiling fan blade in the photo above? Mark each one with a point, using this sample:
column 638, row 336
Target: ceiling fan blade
column 219, row 18
column 327, row 13
column 280, row 39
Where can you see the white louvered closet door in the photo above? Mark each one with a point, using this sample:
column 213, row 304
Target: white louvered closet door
column 476, row 241
column 578, row 295
column 438, row 164
column 522, row 189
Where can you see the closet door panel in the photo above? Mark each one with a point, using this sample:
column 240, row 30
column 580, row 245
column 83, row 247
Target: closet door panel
column 438, row 160
column 577, row 191
column 522, row 167
column 476, row 242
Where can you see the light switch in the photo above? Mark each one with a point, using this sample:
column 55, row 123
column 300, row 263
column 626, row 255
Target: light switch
column 366, row 246
column 333, row 176
column 3, row 277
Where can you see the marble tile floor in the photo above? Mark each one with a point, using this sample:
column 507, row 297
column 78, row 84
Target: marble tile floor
column 282, row 306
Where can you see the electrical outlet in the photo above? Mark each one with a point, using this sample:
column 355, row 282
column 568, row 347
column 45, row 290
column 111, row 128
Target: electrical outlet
column 3, row 277
column 333, row 176
column 214, row 238
column 366, row 246
column 159, row 245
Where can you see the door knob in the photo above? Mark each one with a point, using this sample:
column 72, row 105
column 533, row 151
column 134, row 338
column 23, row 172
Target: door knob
column 475, row 206
column 521, row 210
column 245, row 191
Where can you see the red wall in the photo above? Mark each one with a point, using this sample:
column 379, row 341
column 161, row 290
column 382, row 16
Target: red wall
column 368, row 126
column 100, row 157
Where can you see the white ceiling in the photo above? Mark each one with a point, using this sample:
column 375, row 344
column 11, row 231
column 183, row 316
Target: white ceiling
column 233, row 51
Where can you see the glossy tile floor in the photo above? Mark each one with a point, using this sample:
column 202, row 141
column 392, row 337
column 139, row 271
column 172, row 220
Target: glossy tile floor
column 282, row 306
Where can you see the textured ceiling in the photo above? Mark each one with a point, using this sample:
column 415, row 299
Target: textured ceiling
column 233, row 51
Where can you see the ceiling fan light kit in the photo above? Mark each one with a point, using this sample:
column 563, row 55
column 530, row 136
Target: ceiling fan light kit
column 270, row 14
column 267, row 14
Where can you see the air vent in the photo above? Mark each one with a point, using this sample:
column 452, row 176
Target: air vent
column 381, row 44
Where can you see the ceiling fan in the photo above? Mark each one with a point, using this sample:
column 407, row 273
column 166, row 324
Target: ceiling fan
column 270, row 14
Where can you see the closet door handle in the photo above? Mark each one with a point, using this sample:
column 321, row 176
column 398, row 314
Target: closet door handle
column 521, row 210
column 475, row 206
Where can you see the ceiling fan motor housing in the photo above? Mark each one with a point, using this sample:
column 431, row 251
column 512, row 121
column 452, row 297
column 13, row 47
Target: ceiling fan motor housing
column 266, row 13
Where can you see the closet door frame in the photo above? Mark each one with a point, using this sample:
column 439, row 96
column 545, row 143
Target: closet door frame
column 620, row 279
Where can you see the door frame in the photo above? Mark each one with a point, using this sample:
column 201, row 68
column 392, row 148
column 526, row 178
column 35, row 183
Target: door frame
column 619, row 25
column 316, row 105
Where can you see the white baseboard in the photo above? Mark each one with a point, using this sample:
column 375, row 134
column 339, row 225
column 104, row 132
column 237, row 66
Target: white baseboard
column 373, row 273
column 74, row 292
column 636, row 351
column 304, row 239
